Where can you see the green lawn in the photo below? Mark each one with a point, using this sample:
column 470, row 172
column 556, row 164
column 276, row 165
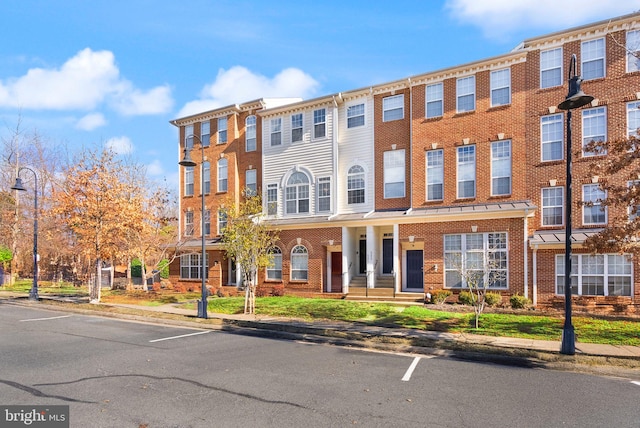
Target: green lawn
column 46, row 287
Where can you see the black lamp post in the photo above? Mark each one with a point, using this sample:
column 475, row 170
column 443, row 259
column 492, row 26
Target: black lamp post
column 187, row 161
column 33, row 293
column 575, row 99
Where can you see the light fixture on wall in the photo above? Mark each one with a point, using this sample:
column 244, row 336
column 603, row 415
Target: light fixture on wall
column 435, row 267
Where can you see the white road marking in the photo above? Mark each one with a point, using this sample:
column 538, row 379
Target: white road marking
column 410, row 370
column 635, row 382
column 46, row 319
column 179, row 337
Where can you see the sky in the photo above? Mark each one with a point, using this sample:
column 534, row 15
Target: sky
column 114, row 73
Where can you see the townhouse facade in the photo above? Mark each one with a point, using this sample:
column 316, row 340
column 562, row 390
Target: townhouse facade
column 407, row 186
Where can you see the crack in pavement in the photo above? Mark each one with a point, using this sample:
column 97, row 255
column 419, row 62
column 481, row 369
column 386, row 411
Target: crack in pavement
column 38, row 393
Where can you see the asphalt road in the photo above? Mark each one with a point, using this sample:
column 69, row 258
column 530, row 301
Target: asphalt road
column 115, row 373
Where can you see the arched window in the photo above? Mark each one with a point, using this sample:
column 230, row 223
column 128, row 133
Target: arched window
column 222, row 175
column 274, row 270
column 355, row 185
column 250, row 134
column 299, row 263
column 297, row 193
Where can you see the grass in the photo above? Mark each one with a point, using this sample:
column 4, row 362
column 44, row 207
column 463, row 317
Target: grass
column 46, row 287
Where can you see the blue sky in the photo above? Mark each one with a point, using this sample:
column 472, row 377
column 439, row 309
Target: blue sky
column 115, row 72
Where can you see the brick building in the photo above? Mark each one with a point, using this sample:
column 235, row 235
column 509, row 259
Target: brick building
column 407, row 185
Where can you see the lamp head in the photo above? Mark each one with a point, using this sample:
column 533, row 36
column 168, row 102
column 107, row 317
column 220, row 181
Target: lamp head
column 18, row 185
column 186, row 160
column 575, row 98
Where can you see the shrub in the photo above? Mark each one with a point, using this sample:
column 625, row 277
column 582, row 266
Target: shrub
column 136, row 268
column 493, row 299
column 440, row 296
column 519, row 302
column 278, row 290
column 262, row 291
column 465, row 298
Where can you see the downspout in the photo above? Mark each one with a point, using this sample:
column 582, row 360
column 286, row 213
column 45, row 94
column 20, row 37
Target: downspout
column 526, row 253
column 535, row 276
column 410, row 142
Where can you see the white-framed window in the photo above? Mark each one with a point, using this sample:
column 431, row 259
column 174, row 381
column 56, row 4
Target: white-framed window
column 466, row 94
column 207, row 222
column 551, row 68
column 394, row 174
column 594, row 128
column 393, row 108
column 355, row 115
column 188, row 223
column 320, row 123
column 296, row 127
column 592, row 55
column 191, row 268
column 276, row 131
column 188, row 136
column 205, row 133
column 596, row 213
column 250, row 134
column 272, row 199
column 223, row 175
column 324, row 194
column 206, row 172
column 222, row 220
column 500, row 87
column 356, row 185
column 633, row 51
column 435, row 175
column 553, row 206
column 222, row 130
column 274, row 269
column 188, row 180
column 434, row 100
column 501, row 168
column 251, row 181
column 633, row 118
column 596, row 274
column 297, row 193
column 551, row 137
column 299, row 263
column 476, row 259
column 466, row 172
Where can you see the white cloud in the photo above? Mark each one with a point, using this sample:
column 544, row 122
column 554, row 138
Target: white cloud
column 84, row 82
column 91, row 122
column 120, row 145
column 239, row 84
column 155, row 168
column 498, row 17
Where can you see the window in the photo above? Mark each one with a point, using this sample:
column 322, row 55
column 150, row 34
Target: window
column 633, row 118
column 466, row 94
column 634, row 209
column 594, row 128
column 297, row 193
column 188, row 223
column 467, row 172
column 191, row 268
column 276, row 131
column 476, row 259
column 274, row 270
column 319, row 123
column 500, row 87
column 355, row 115
column 222, row 130
column 355, row 185
column 596, row 213
column 251, row 181
column 205, row 133
column 296, row 127
column 222, row 220
column 207, row 222
column 250, row 134
column 633, row 51
column 552, row 137
column 272, row 199
column 435, row 175
column 206, row 171
column 552, row 206
column 596, row 275
column 393, row 108
column 551, row 68
column 188, row 180
column 435, row 107
column 222, row 175
column 501, row 168
column 592, row 54
column 299, row 263
column 394, row 174
column 188, row 136
column 324, row 194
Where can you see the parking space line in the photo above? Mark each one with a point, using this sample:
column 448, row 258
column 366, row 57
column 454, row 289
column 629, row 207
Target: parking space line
column 45, row 319
column 410, row 370
column 635, row 382
column 179, row 337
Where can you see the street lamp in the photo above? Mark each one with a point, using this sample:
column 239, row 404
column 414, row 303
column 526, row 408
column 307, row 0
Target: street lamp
column 187, row 161
column 33, row 293
column 575, row 99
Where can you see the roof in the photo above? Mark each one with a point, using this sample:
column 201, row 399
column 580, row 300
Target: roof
column 557, row 238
